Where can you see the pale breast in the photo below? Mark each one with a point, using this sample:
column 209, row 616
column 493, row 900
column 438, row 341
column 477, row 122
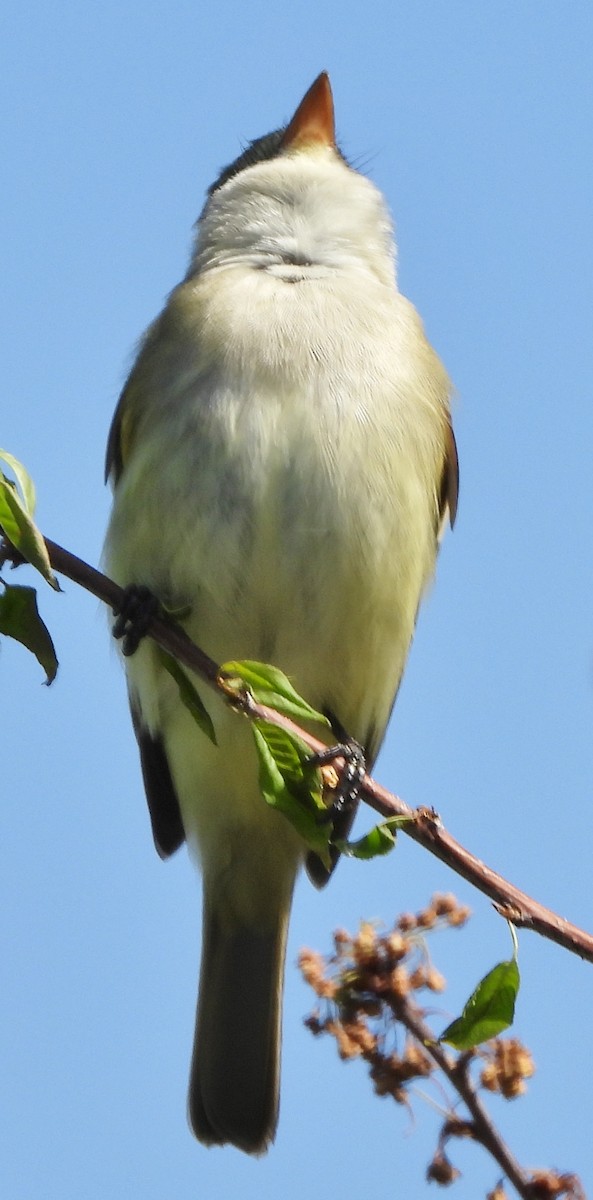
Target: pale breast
column 293, row 483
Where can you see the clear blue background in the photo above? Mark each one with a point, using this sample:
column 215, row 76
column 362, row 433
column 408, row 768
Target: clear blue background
column 475, row 119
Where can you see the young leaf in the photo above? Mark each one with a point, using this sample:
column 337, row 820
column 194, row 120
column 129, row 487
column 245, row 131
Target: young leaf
column 270, row 686
column 379, row 840
column 26, row 485
column 19, row 619
column 189, row 695
column 489, row 1010
column 289, row 784
column 20, row 529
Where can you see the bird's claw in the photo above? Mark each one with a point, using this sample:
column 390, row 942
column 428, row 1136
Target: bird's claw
column 347, row 793
column 133, row 616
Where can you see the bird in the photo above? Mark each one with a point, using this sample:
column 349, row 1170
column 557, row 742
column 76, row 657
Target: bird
column 283, row 466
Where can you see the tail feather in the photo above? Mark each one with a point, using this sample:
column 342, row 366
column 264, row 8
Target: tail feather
column 234, row 1082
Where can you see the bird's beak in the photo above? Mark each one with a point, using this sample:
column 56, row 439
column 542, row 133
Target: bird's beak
column 313, row 122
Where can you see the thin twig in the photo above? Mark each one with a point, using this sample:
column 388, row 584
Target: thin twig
column 455, row 1071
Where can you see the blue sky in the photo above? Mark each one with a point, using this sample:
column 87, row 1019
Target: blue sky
column 476, row 122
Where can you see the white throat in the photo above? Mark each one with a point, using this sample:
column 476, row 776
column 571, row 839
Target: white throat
column 298, row 216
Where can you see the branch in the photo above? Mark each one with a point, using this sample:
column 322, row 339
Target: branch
column 424, row 826
column 456, row 1072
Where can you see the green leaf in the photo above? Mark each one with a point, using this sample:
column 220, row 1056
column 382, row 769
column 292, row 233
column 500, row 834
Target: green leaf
column 270, row 686
column 489, row 1010
column 189, row 695
column 21, row 530
column 19, row 619
column 292, row 785
column 379, row 840
column 26, row 485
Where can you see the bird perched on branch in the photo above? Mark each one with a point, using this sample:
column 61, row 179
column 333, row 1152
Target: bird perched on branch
column 283, row 464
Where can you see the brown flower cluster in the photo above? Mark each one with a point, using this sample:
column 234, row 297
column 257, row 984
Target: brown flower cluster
column 509, row 1065
column 546, row 1185
column 551, row 1185
column 368, row 992
column 371, row 975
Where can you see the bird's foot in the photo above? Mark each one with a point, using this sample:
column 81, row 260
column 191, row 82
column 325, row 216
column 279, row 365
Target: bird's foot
column 133, row 616
column 347, row 793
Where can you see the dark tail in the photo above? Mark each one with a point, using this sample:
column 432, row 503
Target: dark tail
column 234, row 1082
